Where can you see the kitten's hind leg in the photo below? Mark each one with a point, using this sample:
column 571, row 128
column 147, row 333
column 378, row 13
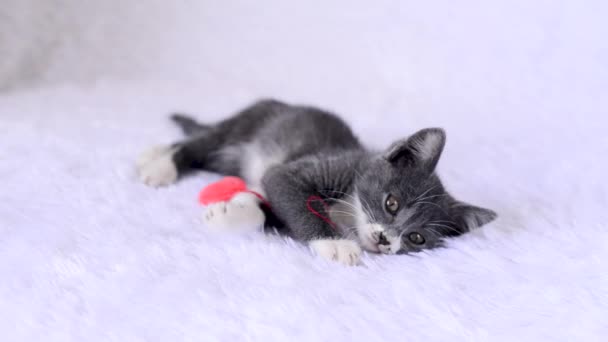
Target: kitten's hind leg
column 155, row 166
column 207, row 147
column 163, row 165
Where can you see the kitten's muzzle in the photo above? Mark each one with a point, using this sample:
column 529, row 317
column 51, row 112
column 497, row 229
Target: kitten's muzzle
column 382, row 240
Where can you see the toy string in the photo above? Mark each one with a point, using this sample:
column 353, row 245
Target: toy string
column 264, row 201
column 309, row 202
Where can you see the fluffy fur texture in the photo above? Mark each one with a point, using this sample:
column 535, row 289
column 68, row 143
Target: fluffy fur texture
column 88, row 253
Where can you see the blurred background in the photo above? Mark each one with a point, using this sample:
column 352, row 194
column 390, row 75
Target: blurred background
column 493, row 73
column 464, row 53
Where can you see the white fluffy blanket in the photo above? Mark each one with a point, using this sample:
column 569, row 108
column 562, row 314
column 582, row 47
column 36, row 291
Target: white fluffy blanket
column 89, row 254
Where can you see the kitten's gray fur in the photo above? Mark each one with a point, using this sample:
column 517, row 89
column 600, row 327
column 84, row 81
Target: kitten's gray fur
column 294, row 152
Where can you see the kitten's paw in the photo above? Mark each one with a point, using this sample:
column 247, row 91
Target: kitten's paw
column 344, row 251
column 155, row 167
column 242, row 213
column 151, row 154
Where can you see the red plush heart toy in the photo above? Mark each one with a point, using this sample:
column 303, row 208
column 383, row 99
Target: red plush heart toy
column 224, row 190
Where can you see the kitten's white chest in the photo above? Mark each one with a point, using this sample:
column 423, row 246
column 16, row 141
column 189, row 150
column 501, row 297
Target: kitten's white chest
column 255, row 159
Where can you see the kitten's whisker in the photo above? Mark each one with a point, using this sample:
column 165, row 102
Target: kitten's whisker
column 369, row 210
column 345, row 203
column 424, row 193
column 443, row 225
column 357, row 173
column 348, row 204
column 434, row 232
column 352, row 233
column 355, row 209
column 427, row 197
column 365, row 207
column 344, row 213
column 444, row 221
column 343, row 193
column 431, row 203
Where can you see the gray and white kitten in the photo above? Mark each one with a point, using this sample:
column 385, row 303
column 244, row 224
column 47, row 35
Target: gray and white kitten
column 388, row 201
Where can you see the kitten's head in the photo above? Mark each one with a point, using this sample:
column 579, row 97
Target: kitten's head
column 402, row 205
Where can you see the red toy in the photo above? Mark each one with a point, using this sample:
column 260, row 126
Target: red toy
column 224, row 190
column 228, row 187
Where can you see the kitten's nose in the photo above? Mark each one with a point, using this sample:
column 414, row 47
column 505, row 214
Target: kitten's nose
column 382, row 240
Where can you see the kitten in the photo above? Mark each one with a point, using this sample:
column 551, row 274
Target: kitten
column 388, row 202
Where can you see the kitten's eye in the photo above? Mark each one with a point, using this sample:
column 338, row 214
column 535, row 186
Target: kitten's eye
column 416, row 238
column 392, row 205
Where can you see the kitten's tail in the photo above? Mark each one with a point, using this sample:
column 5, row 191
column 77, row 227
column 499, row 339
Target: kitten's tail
column 188, row 125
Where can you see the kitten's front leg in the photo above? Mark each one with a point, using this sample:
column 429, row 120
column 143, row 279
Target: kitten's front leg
column 344, row 251
column 289, row 188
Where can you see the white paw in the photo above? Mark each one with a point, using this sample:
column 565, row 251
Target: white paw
column 151, row 154
column 155, row 167
column 242, row 213
column 346, row 252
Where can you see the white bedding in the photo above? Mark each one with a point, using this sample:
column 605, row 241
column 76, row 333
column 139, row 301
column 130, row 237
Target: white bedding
column 87, row 253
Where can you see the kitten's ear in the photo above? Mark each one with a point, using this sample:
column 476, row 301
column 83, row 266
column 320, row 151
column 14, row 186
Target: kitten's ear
column 469, row 216
column 421, row 149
